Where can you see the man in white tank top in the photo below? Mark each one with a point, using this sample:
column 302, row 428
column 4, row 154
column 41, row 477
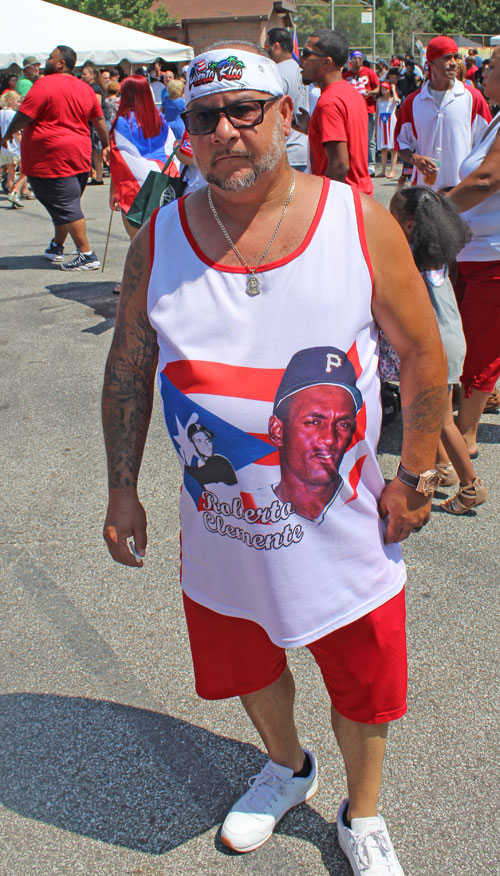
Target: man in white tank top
column 252, row 287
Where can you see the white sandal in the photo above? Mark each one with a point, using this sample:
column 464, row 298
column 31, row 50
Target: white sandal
column 476, row 492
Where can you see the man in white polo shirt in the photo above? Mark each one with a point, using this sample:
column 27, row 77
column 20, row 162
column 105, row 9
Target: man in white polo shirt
column 438, row 125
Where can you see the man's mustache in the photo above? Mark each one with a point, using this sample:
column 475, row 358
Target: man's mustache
column 235, row 153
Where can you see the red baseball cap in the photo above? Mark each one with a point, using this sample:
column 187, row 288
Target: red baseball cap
column 385, row 84
column 439, row 46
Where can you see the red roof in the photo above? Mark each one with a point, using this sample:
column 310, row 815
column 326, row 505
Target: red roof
column 192, row 10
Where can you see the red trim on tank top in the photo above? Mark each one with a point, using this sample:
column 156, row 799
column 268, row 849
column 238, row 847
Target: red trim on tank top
column 152, row 226
column 233, row 269
column 361, row 231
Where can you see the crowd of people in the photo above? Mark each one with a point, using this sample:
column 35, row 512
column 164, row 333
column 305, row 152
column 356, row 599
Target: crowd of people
column 345, row 111
column 264, row 294
column 433, row 117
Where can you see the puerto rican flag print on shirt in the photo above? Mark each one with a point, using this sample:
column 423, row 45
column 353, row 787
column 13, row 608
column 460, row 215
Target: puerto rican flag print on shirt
column 386, row 123
column 191, row 391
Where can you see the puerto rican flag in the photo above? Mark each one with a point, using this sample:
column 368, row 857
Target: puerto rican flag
column 385, row 121
column 295, row 48
column 133, row 156
column 189, row 389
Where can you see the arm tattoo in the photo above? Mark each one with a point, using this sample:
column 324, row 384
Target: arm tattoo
column 425, row 413
column 127, row 400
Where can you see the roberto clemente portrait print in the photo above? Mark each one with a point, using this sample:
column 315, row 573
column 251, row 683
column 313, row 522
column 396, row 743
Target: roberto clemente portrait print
column 312, row 425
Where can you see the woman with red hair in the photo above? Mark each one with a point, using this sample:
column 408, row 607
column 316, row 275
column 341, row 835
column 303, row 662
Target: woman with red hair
column 140, row 141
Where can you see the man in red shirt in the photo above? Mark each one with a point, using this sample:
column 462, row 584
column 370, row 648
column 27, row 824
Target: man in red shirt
column 338, row 129
column 472, row 69
column 56, row 151
column 366, row 81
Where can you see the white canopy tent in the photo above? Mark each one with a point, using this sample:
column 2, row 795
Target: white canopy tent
column 495, row 40
column 36, row 27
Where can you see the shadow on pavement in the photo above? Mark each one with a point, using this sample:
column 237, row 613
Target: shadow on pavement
column 97, row 295
column 391, row 437
column 25, row 262
column 128, row 776
column 488, row 433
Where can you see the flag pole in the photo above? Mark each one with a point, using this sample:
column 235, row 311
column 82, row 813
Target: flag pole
column 107, row 241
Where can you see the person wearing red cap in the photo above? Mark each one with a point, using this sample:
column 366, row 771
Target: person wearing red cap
column 387, row 105
column 439, row 125
column 366, row 81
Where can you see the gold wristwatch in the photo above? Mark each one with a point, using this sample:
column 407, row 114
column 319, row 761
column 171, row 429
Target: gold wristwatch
column 424, row 483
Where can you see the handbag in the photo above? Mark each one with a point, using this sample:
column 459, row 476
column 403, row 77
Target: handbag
column 388, row 360
column 157, row 190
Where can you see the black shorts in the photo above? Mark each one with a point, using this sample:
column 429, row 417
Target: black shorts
column 60, row 196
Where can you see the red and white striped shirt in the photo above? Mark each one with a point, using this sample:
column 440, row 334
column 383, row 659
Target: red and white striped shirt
column 454, row 126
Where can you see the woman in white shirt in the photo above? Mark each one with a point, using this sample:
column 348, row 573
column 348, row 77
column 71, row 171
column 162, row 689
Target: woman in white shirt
column 477, row 196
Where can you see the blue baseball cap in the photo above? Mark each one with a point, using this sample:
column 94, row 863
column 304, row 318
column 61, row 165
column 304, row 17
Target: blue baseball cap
column 318, row 366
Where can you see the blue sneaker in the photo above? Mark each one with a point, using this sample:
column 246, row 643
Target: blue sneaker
column 54, row 252
column 82, row 262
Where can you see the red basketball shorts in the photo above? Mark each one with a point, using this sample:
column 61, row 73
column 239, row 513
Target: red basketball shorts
column 479, row 283
column 363, row 664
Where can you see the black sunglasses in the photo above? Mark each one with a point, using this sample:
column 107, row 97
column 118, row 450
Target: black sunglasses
column 306, row 53
column 241, row 114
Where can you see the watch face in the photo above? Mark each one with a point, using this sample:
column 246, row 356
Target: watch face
column 429, row 481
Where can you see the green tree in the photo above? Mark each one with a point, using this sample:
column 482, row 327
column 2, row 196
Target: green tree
column 450, row 16
column 403, row 18
column 131, row 13
column 393, row 15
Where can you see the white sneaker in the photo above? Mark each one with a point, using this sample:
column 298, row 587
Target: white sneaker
column 15, row 199
column 272, row 793
column 367, row 845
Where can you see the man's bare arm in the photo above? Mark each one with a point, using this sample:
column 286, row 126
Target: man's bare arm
column 127, row 403
column 423, row 163
column 19, row 122
column 338, row 160
column 101, row 130
column 300, row 121
column 402, row 308
column 481, row 183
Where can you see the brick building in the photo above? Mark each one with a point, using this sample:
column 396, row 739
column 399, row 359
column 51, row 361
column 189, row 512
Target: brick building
column 201, row 22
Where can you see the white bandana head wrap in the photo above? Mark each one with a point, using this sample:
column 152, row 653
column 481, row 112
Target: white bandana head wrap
column 231, row 69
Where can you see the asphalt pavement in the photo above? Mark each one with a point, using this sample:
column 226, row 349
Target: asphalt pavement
column 109, row 763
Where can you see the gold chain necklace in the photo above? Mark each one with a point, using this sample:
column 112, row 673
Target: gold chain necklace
column 253, row 283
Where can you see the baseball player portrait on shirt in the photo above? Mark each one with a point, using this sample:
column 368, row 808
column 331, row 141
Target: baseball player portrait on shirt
column 312, row 425
column 210, row 468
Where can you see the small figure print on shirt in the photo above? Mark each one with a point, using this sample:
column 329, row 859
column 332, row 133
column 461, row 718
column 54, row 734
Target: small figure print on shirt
column 209, row 468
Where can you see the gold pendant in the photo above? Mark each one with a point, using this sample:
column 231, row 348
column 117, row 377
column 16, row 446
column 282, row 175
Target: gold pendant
column 253, row 286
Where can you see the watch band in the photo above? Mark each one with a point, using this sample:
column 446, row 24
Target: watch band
column 407, row 477
column 424, row 483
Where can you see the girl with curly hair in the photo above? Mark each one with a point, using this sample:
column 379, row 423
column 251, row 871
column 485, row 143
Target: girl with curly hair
column 436, row 234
